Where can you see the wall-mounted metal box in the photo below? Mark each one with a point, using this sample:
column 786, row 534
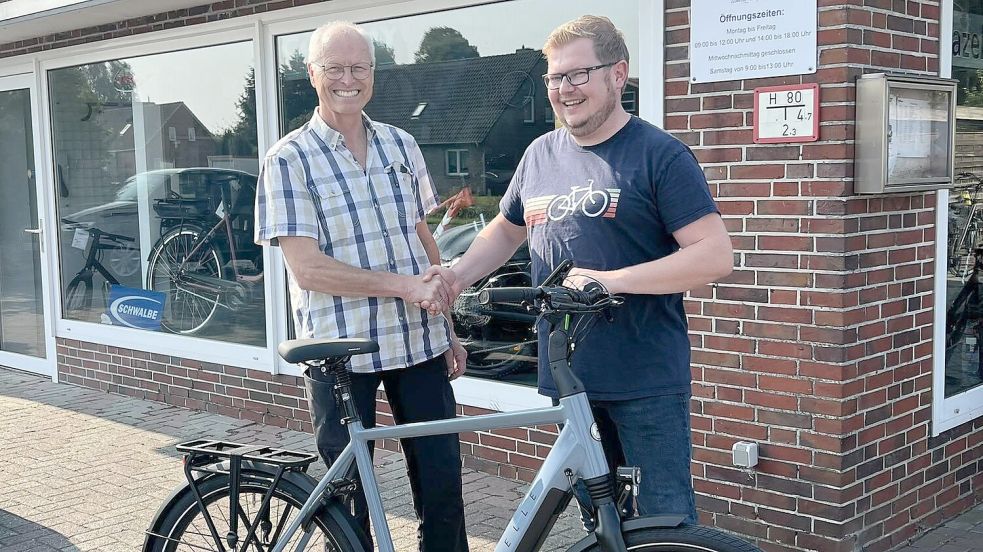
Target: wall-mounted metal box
column 906, row 128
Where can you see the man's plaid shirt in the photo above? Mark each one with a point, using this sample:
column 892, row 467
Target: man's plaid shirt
column 310, row 185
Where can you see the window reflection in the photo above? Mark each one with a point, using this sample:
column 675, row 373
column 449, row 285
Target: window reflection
column 964, row 301
column 466, row 84
column 155, row 166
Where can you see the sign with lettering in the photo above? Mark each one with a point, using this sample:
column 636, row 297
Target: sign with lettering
column 135, row 308
column 786, row 113
column 749, row 39
column 967, row 44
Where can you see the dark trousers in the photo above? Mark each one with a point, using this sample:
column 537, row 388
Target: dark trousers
column 653, row 434
column 416, row 394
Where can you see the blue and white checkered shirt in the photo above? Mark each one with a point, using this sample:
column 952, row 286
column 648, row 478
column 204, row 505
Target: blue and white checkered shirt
column 311, row 185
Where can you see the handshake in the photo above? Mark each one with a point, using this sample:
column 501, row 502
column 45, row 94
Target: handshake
column 434, row 291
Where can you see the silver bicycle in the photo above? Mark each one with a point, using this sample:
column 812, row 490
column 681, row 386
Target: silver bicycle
column 259, row 498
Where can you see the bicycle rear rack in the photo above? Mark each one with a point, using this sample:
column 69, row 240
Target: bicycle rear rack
column 203, row 450
column 206, row 456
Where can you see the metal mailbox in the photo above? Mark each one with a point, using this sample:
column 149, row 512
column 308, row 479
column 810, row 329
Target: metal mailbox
column 906, row 127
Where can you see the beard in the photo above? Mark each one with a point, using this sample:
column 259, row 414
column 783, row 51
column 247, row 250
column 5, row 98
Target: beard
column 594, row 121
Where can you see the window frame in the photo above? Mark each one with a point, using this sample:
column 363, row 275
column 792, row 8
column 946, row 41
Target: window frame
column 206, row 350
column 529, row 110
column 447, row 162
column 947, row 412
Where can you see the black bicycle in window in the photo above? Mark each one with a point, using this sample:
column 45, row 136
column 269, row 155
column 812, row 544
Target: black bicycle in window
column 205, row 258
column 964, row 318
column 79, row 291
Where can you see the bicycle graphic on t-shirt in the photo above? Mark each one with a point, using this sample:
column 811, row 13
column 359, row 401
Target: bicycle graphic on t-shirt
column 590, row 202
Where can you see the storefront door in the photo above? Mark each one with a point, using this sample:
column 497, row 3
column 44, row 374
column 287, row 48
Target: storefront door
column 25, row 342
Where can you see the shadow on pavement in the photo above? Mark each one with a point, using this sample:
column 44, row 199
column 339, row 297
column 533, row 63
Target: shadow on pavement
column 17, row 533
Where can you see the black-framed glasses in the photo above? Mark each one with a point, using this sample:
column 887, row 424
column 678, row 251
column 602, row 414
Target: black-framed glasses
column 360, row 71
column 576, row 77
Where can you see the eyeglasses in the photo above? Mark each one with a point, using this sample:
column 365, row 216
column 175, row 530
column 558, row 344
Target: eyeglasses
column 360, row 71
column 576, row 77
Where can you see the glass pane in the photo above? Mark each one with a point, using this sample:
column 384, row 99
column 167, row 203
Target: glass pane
column 476, row 72
column 155, row 164
column 919, row 134
column 452, row 162
column 964, row 300
column 21, row 307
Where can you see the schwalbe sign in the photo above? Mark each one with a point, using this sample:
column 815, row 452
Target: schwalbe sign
column 135, row 308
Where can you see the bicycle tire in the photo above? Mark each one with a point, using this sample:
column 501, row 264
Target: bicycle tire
column 498, row 363
column 184, row 535
column 685, row 538
column 186, row 310
column 78, row 297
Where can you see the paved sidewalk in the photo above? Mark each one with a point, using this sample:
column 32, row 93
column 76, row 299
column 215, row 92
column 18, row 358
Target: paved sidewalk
column 83, row 470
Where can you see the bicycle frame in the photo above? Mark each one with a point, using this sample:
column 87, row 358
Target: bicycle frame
column 575, row 454
column 211, row 284
column 92, row 262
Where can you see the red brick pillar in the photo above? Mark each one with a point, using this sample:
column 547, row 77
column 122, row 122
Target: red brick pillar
column 819, row 346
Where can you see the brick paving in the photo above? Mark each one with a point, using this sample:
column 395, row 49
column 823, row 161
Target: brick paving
column 83, row 470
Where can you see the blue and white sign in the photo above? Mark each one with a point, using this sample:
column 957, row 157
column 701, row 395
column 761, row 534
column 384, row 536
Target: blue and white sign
column 135, row 308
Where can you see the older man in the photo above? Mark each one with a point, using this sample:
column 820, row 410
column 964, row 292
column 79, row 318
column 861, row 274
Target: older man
column 345, row 198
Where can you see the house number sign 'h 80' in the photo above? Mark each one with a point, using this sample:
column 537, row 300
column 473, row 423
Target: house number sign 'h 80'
column 787, row 113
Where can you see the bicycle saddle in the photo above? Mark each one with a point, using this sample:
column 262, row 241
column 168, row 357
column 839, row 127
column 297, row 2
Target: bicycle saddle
column 296, row 351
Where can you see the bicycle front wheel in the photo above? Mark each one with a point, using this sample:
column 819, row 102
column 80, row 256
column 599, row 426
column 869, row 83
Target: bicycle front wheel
column 185, row 527
column 686, row 538
column 180, row 266
column 78, row 298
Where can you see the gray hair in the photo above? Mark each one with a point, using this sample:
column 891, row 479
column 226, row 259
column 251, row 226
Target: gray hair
column 324, row 33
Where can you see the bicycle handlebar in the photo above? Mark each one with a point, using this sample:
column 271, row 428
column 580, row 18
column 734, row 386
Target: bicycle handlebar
column 509, row 295
column 97, row 233
column 556, row 298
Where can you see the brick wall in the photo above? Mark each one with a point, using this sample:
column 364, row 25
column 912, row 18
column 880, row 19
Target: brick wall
column 819, row 345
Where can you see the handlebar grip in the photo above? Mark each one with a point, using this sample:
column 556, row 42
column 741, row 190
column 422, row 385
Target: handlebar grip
column 117, row 237
column 508, row 295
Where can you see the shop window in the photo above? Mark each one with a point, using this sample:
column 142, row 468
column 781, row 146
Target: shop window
column 457, row 162
column 464, row 83
column 137, row 202
column 959, row 371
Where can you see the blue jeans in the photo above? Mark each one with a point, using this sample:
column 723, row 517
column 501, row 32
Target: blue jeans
column 652, row 433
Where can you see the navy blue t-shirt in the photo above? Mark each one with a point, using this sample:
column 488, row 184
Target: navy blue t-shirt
column 606, row 207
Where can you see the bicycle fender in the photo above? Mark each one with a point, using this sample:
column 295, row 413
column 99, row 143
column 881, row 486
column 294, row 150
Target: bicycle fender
column 633, row 524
